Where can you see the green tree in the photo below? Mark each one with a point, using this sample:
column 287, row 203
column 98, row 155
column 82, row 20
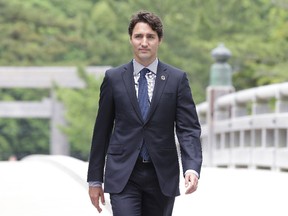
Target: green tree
column 82, row 106
column 22, row 137
column 94, row 32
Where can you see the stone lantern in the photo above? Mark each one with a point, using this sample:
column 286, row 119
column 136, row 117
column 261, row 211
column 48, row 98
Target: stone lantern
column 220, row 84
column 221, row 72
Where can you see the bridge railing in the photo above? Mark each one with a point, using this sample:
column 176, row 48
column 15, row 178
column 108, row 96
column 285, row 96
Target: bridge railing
column 248, row 128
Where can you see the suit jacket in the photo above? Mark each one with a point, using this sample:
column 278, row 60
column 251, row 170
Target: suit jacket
column 120, row 129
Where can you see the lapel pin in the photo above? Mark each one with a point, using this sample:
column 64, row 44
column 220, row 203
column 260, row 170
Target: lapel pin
column 163, row 77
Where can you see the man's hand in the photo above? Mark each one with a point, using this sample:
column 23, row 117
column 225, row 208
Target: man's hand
column 95, row 194
column 191, row 182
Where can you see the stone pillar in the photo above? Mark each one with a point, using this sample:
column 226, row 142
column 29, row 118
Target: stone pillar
column 220, row 84
column 58, row 141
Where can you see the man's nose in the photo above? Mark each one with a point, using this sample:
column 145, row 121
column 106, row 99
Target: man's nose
column 144, row 41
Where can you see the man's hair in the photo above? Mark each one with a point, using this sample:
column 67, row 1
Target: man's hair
column 149, row 18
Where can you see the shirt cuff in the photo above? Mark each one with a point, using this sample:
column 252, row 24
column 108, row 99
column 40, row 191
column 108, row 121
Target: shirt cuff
column 95, row 184
column 192, row 171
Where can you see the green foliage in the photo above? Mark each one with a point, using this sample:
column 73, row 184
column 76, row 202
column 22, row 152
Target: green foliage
column 94, row 32
column 23, row 94
column 41, row 32
column 82, row 106
column 21, row 137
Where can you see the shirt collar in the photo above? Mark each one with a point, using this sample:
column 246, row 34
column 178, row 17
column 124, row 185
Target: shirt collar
column 138, row 67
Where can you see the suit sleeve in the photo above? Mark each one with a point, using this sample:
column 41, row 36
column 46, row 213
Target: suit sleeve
column 188, row 128
column 102, row 131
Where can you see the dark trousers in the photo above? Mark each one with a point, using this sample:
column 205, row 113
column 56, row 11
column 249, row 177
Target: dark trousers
column 142, row 195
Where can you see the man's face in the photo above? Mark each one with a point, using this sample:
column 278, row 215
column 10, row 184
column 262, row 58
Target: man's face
column 145, row 43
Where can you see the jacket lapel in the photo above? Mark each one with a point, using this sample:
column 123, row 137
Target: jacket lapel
column 160, row 82
column 128, row 79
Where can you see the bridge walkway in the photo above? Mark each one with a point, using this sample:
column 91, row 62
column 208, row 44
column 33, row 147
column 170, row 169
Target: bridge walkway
column 55, row 185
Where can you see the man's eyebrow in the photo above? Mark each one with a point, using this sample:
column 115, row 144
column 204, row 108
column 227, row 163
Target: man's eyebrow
column 148, row 34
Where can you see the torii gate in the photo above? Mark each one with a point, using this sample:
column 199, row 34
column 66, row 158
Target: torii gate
column 50, row 108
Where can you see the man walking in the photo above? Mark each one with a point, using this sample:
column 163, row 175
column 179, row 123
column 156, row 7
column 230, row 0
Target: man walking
column 142, row 105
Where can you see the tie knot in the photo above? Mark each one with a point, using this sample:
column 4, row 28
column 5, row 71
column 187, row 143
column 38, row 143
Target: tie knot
column 143, row 72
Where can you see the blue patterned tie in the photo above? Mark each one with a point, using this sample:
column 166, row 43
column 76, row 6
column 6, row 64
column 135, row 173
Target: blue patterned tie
column 143, row 100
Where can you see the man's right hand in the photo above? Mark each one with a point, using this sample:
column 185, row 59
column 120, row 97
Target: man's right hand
column 95, row 194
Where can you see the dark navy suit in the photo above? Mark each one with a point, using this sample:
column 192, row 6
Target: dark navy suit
column 120, row 129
